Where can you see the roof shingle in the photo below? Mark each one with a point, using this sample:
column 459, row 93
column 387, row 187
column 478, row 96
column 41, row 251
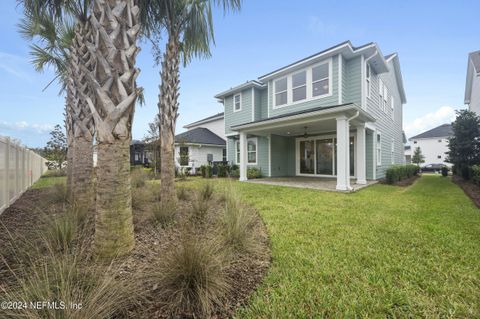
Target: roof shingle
column 439, row 131
column 199, row 135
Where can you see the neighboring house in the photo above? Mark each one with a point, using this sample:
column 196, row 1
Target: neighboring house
column 472, row 87
column 433, row 144
column 138, row 153
column 202, row 144
column 408, row 154
column 337, row 113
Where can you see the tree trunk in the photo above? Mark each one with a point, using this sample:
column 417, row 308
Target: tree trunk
column 82, row 177
column 113, row 221
column 168, row 113
column 70, row 147
column 115, row 26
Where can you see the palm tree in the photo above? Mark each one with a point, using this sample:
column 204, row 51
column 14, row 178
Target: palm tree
column 104, row 77
column 188, row 25
column 62, row 46
column 115, row 27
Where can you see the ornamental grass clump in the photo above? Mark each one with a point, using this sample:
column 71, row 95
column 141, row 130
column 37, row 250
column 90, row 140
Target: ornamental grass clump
column 164, row 213
column 237, row 224
column 190, row 279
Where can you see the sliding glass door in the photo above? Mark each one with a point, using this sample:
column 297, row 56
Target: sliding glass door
column 324, row 156
column 307, row 153
column 319, row 156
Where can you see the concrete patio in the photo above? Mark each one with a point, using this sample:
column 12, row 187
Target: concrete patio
column 320, row 183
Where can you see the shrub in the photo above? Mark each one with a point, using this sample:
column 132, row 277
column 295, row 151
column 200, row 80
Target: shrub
column 235, row 172
column 444, row 171
column 190, row 279
column 69, row 278
column 223, row 170
column 141, row 196
column 208, row 171
column 237, row 225
column 253, row 172
column 199, row 208
column 397, row 173
column 475, row 174
column 206, row 191
column 164, row 212
column 54, row 173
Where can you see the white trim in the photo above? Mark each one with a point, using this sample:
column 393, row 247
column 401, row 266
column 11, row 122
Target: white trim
column 231, row 134
column 309, row 85
column 269, row 99
column 240, row 102
column 216, row 118
column 378, row 147
column 253, row 104
column 392, row 107
column 368, row 80
column 362, row 84
column 340, row 79
column 256, row 151
column 300, row 86
column 316, row 56
column 270, row 155
column 284, row 91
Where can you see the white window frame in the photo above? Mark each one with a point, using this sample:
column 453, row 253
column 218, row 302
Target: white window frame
column 385, row 98
column 368, row 79
column 237, row 151
column 378, row 146
column 393, row 151
column 392, row 106
column 240, row 102
column 309, row 84
column 180, row 155
column 275, row 93
column 300, row 86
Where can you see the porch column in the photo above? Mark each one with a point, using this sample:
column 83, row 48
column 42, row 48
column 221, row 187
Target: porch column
column 343, row 154
column 361, row 160
column 243, row 156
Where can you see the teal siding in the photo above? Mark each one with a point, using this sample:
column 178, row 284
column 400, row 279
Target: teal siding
column 390, row 129
column 353, row 81
column 264, row 103
column 231, row 150
column 258, row 104
column 240, row 117
column 324, row 101
column 344, row 81
column 283, row 156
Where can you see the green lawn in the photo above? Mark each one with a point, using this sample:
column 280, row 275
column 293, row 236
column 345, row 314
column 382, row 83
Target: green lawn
column 384, row 251
column 47, row 181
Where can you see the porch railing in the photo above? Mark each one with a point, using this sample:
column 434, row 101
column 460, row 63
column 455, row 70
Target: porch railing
column 19, row 169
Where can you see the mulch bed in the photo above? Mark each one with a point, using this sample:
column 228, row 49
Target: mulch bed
column 470, row 189
column 23, row 219
column 405, row 182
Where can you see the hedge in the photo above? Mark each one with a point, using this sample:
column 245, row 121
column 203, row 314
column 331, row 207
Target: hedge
column 399, row 172
column 475, row 174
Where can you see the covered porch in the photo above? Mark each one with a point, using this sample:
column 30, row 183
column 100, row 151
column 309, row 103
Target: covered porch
column 327, row 146
column 320, row 183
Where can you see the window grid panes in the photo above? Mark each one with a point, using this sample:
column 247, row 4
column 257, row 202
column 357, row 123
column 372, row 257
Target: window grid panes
column 320, row 80
column 299, row 86
column 281, row 92
column 237, row 102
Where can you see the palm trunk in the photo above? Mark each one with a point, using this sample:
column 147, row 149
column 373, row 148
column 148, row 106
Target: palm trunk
column 113, row 222
column 115, row 26
column 70, row 147
column 82, row 177
column 83, row 126
column 168, row 110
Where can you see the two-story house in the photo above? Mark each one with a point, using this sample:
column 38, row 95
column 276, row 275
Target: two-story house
column 433, row 144
column 337, row 113
column 472, row 87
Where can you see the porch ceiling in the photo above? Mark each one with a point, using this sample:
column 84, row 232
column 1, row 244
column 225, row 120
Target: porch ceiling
column 315, row 121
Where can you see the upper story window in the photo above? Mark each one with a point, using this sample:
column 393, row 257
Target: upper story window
column 383, row 93
column 237, row 102
column 368, row 80
column 320, row 80
column 379, row 149
column 281, row 92
column 299, row 86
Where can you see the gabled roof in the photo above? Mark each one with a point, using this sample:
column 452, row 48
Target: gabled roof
column 473, row 70
column 444, row 130
column 206, row 120
column 200, row 135
column 238, row 88
column 398, row 74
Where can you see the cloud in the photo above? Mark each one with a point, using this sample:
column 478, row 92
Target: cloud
column 25, row 126
column 445, row 114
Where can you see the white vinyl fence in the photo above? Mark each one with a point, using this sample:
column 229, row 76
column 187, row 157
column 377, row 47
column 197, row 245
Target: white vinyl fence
column 19, row 169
